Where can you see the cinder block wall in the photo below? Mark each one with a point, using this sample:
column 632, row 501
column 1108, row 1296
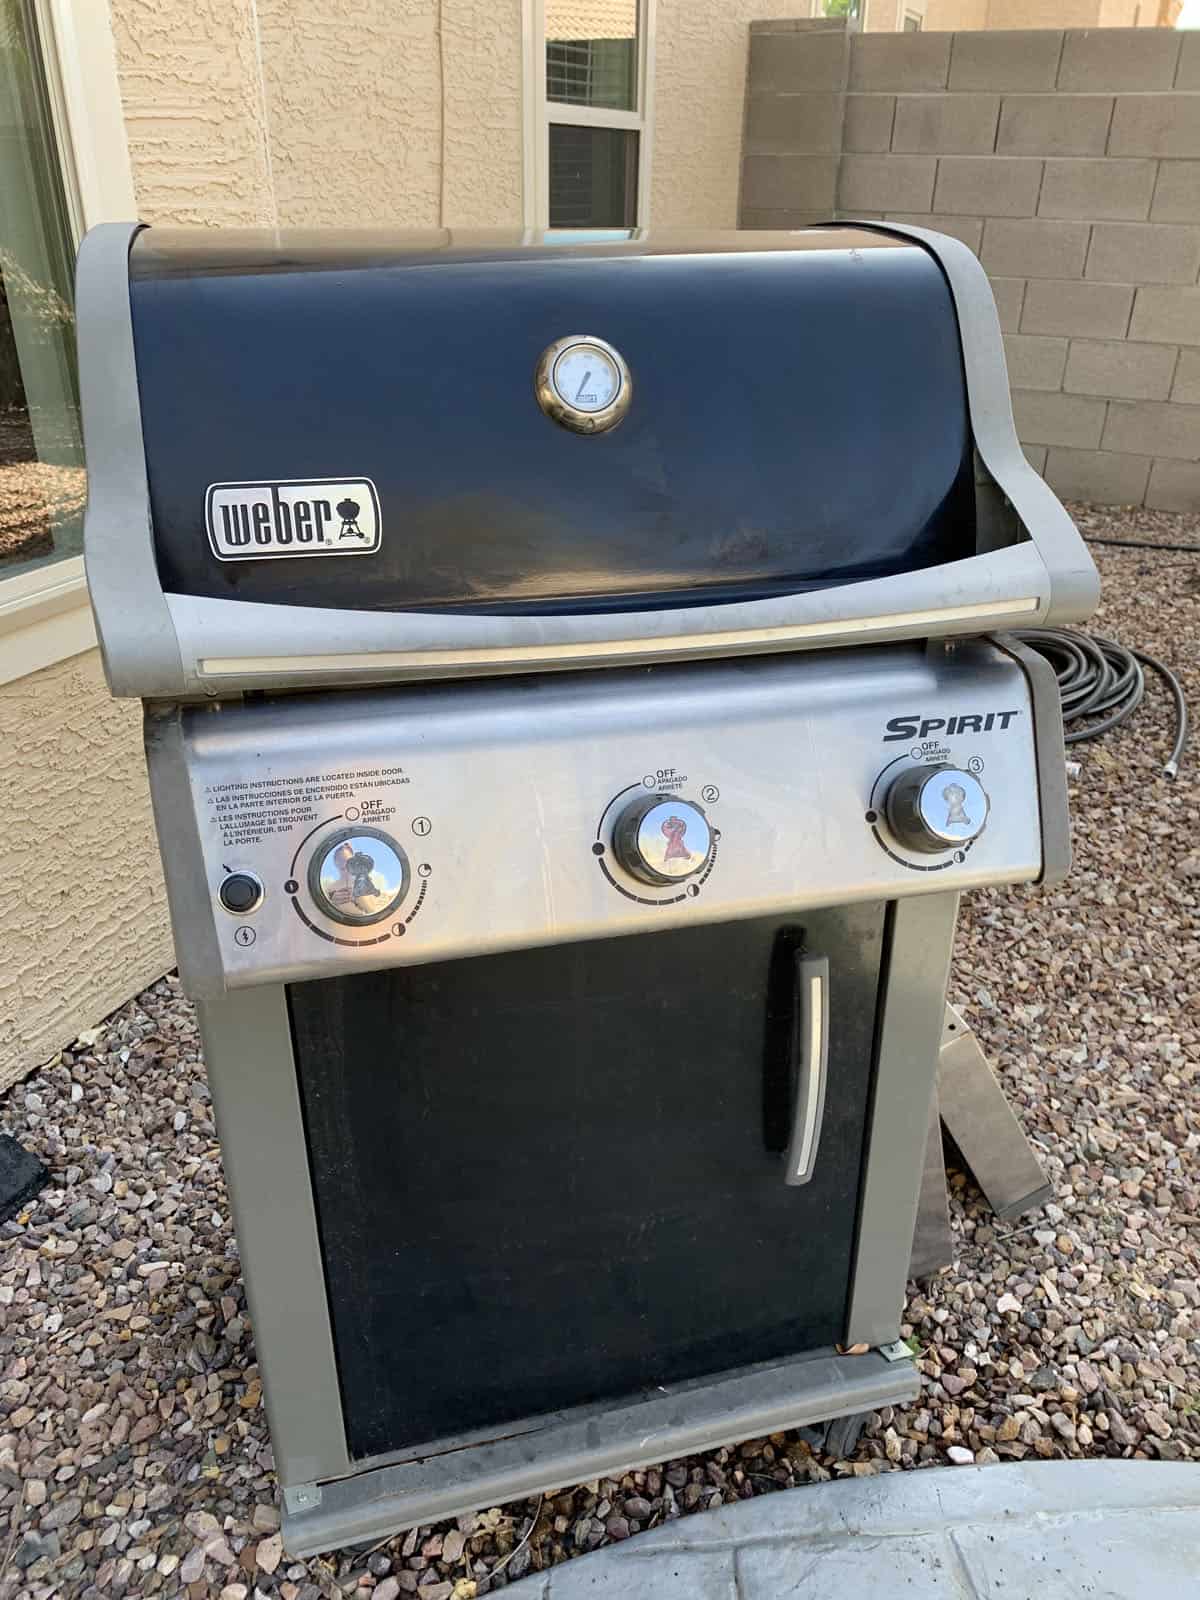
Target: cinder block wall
column 1070, row 163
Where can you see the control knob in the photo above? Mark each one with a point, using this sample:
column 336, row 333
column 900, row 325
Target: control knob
column 937, row 808
column 660, row 840
column 358, row 876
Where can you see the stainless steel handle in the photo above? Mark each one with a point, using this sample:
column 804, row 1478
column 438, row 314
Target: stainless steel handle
column 810, row 1050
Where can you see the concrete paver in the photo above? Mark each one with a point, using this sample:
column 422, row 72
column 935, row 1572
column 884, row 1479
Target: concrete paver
column 1053, row 1530
column 925, row 1568
column 1115, row 1554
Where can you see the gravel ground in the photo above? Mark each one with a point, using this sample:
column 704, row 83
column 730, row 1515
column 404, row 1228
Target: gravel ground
column 33, row 492
column 134, row 1456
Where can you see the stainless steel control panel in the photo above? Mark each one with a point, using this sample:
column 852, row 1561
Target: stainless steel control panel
column 430, row 822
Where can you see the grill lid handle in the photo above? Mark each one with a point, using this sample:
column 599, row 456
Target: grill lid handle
column 810, row 1053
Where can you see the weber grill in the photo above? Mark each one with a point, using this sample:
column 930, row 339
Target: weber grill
column 576, row 696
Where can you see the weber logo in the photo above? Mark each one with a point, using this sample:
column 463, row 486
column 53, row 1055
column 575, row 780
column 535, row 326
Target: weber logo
column 317, row 517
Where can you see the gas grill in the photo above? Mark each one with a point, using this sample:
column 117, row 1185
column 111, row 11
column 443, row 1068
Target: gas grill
column 576, row 695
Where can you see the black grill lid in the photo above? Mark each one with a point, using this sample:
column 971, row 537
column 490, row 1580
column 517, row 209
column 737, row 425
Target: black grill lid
column 799, row 416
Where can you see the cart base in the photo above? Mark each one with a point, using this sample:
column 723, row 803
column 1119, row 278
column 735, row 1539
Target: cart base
column 456, row 1476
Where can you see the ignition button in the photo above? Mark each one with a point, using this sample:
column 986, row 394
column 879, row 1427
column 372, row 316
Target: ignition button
column 241, row 893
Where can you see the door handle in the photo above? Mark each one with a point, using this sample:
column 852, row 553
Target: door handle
column 810, row 1062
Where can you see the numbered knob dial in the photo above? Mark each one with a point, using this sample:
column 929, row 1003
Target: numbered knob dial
column 358, row 876
column 937, row 808
column 660, row 840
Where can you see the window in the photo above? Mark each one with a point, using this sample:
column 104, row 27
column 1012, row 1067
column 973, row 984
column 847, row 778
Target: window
column 592, row 71
column 912, row 23
column 64, row 165
column 593, row 177
column 41, row 457
column 593, row 63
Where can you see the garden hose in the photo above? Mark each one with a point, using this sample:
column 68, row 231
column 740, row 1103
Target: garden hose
column 1102, row 683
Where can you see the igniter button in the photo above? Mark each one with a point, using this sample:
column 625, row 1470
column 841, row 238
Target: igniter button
column 240, row 893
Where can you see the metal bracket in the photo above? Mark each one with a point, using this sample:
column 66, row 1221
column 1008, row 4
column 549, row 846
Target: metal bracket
column 302, row 1496
column 976, row 1114
column 896, row 1351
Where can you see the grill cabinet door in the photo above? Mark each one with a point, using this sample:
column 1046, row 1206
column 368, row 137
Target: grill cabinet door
column 554, row 1176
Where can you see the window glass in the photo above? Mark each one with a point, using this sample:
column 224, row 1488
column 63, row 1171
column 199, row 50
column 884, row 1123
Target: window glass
column 591, row 53
column 41, row 460
column 593, row 177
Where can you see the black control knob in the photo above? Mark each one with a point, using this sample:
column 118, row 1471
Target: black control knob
column 937, row 808
column 662, row 839
column 358, row 875
column 241, row 893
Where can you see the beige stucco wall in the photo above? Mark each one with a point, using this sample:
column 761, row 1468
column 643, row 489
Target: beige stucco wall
column 887, row 16
column 353, row 110
column 949, row 15
column 323, row 112
column 959, row 15
column 193, row 114
column 699, row 102
column 82, row 908
column 1038, row 14
column 354, row 101
column 331, row 112
column 484, row 111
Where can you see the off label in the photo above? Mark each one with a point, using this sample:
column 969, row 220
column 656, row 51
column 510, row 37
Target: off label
column 932, row 751
column 665, row 779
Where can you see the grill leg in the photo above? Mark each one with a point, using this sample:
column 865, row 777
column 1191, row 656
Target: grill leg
column 969, row 1101
column 978, row 1117
column 933, row 1242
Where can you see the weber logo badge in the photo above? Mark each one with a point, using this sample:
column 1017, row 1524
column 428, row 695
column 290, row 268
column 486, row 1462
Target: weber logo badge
column 294, row 517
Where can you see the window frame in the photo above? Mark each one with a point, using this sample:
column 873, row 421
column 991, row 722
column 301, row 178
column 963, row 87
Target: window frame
column 45, row 616
column 541, row 112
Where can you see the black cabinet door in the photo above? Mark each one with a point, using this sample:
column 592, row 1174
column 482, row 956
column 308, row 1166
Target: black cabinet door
column 553, row 1176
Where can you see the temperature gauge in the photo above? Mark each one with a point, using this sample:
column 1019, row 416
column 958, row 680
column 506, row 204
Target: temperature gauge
column 583, row 383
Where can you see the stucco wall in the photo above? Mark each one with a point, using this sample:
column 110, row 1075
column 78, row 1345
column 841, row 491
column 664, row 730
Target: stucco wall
column 946, row 15
column 194, row 116
column 484, row 111
column 353, row 110
column 887, row 16
column 82, row 907
column 958, row 15
column 330, row 112
column 323, row 112
column 699, row 101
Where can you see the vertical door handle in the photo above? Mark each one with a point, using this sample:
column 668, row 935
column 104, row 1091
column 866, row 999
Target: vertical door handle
column 810, row 1061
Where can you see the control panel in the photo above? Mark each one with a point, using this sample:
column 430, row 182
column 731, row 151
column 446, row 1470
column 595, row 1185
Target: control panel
column 424, row 823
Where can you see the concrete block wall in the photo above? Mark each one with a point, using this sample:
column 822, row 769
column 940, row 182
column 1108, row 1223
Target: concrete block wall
column 1069, row 161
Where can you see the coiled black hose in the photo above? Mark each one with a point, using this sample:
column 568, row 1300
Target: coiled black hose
column 1103, row 682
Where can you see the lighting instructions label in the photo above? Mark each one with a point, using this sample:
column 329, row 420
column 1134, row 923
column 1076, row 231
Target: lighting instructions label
column 245, row 810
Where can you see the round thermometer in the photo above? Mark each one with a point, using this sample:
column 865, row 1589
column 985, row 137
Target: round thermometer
column 583, row 383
